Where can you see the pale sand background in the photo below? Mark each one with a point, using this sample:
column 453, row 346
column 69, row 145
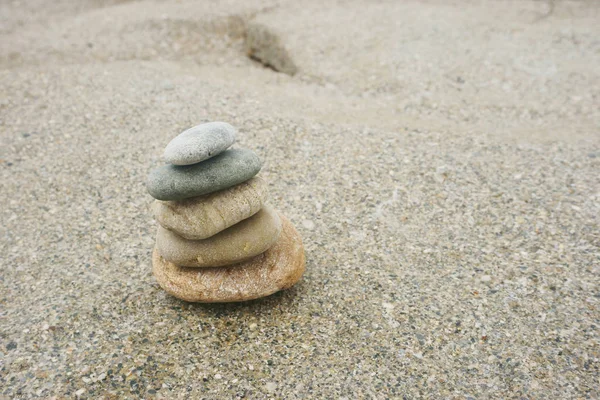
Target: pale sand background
column 441, row 160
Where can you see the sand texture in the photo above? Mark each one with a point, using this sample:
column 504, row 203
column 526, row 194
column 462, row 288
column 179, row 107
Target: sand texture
column 440, row 160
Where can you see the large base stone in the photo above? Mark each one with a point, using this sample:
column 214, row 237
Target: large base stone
column 278, row 268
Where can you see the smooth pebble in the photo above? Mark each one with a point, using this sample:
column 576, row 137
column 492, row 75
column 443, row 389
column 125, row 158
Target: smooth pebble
column 200, row 143
column 240, row 242
column 171, row 182
column 278, row 268
column 202, row 217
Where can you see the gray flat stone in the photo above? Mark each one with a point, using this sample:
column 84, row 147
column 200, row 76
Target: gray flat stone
column 172, row 182
column 200, row 143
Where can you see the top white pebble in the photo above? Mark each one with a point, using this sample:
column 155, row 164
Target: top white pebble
column 200, row 143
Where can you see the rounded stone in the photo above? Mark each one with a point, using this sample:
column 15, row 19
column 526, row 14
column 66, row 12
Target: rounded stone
column 200, row 143
column 173, row 182
column 238, row 243
column 202, row 217
column 278, row 268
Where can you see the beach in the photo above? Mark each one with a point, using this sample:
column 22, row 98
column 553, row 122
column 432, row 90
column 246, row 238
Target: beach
column 440, row 159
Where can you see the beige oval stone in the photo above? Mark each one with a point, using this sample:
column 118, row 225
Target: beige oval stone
column 238, row 243
column 278, row 268
column 204, row 216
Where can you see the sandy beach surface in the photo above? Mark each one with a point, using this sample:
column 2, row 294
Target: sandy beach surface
column 441, row 160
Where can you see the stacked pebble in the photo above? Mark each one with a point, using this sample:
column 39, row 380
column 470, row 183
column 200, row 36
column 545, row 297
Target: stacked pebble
column 218, row 240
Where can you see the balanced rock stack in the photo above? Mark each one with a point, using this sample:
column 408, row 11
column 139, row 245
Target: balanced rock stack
column 218, row 240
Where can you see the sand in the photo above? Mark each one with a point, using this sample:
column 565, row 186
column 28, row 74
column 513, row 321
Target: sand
column 441, row 161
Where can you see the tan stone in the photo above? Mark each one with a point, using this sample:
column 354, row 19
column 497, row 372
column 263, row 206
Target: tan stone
column 278, row 268
column 204, row 216
column 238, row 243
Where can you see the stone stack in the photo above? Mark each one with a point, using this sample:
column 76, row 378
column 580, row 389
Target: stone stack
column 218, row 239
